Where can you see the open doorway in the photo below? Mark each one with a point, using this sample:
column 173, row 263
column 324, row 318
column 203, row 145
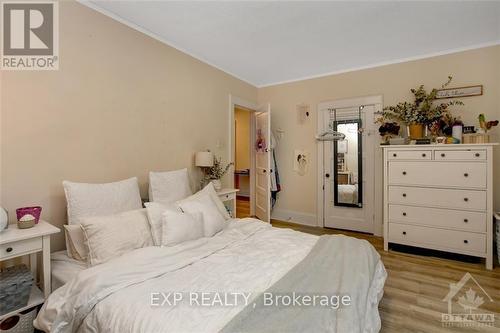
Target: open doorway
column 243, row 168
column 258, row 203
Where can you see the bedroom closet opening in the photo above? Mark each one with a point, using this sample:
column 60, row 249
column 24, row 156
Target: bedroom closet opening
column 347, row 165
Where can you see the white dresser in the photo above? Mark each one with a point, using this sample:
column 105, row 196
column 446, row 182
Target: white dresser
column 440, row 197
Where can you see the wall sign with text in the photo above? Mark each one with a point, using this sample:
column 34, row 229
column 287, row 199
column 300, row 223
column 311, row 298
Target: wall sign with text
column 460, row 92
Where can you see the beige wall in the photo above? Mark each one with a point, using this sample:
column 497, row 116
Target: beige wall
column 298, row 195
column 120, row 105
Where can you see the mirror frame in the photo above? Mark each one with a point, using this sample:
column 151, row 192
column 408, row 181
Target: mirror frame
column 360, row 165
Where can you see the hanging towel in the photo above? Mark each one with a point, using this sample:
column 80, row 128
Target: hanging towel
column 275, row 178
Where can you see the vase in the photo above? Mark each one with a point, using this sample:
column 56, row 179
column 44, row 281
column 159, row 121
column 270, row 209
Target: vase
column 217, row 184
column 416, row 131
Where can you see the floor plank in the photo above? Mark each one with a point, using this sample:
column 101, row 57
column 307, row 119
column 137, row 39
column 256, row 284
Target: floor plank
column 416, row 285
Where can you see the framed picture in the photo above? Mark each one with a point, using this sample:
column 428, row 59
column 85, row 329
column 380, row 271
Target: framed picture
column 460, row 92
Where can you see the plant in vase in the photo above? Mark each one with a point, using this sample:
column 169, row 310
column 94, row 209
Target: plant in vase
column 216, row 172
column 421, row 113
column 389, row 130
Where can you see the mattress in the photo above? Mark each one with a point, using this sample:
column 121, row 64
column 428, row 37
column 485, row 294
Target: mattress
column 64, row 268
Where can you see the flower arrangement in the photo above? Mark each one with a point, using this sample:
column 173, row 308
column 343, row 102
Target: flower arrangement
column 422, row 111
column 217, row 171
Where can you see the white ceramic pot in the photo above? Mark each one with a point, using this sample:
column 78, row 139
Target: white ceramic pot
column 4, row 219
column 217, row 184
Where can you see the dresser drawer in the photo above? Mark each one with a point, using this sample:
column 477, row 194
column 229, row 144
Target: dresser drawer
column 460, row 155
column 463, row 174
column 20, row 247
column 439, row 239
column 409, row 155
column 438, row 198
column 439, row 218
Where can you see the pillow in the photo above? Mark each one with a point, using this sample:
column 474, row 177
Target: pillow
column 181, row 227
column 155, row 211
column 84, row 200
column 75, row 242
column 168, row 187
column 110, row 236
column 210, row 189
column 213, row 221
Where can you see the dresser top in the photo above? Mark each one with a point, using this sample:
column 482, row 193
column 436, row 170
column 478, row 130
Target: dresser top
column 13, row 233
column 435, row 145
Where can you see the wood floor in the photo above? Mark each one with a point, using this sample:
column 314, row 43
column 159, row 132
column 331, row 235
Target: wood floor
column 417, row 284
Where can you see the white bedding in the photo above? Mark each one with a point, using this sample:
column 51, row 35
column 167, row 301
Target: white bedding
column 64, row 268
column 247, row 256
column 348, row 193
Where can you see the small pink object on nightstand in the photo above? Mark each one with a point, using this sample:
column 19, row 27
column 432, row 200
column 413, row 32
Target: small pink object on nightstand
column 36, row 211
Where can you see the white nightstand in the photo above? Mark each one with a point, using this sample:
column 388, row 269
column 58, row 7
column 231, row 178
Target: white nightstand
column 228, row 196
column 15, row 242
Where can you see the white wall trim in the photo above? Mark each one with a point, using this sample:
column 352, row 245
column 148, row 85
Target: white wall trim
column 385, row 63
column 294, row 217
column 116, row 17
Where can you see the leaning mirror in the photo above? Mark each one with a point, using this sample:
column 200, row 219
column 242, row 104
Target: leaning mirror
column 347, row 168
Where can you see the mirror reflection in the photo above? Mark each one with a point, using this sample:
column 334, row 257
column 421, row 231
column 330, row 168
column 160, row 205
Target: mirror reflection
column 347, row 166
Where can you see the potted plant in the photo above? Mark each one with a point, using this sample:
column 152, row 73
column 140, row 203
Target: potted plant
column 423, row 112
column 216, row 172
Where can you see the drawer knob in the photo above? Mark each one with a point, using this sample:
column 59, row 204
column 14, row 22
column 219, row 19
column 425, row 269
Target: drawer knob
column 466, row 199
column 394, row 155
column 477, row 154
column 466, row 174
column 404, row 173
column 424, row 154
column 264, row 171
column 9, row 249
column 404, row 213
column 404, row 195
column 466, row 241
column 404, row 232
column 466, row 220
column 443, row 154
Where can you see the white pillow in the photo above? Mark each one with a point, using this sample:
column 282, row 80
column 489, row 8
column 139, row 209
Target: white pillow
column 75, row 242
column 213, row 221
column 181, row 227
column 111, row 236
column 210, row 189
column 155, row 211
column 168, row 187
column 86, row 200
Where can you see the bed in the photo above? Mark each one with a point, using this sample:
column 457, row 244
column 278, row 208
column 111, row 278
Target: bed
column 348, row 193
column 248, row 256
column 64, row 268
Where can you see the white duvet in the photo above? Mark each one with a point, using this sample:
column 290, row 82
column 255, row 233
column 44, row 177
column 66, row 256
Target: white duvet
column 247, row 257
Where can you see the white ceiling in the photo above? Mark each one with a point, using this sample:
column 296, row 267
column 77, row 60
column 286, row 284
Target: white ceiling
column 265, row 43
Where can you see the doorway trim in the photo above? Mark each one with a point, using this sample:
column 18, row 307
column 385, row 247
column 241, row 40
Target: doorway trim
column 376, row 100
column 235, row 101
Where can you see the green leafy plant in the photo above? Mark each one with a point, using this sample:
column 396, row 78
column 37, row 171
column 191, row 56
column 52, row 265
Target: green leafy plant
column 423, row 110
column 217, row 171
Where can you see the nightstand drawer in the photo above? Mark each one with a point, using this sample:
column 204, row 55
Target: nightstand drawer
column 228, row 196
column 18, row 248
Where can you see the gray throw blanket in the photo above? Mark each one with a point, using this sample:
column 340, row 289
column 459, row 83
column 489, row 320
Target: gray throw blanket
column 337, row 266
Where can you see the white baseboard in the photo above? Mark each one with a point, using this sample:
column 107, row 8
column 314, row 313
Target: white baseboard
column 295, row 217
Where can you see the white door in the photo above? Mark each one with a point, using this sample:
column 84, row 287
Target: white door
column 349, row 204
column 263, row 163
